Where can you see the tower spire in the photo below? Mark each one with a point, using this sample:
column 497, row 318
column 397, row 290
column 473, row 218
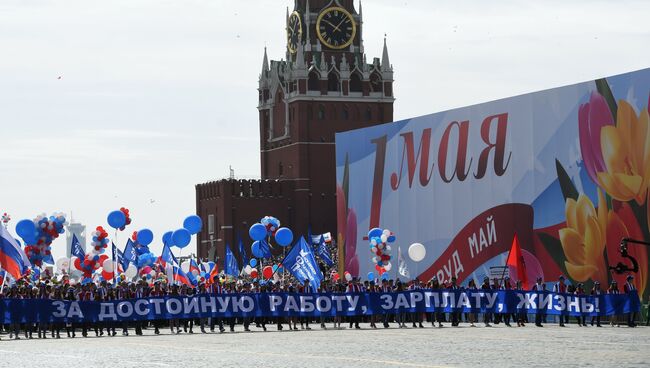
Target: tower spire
column 385, row 61
column 265, row 63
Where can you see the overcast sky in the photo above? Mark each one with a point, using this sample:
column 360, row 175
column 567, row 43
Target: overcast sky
column 158, row 95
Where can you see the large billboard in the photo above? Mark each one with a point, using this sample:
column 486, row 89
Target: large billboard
column 567, row 170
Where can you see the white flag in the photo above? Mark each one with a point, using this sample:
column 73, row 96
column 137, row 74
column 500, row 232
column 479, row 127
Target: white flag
column 401, row 264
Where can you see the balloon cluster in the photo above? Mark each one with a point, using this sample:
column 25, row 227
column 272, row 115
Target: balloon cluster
column 142, row 239
column 379, row 240
column 96, row 258
column 119, row 219
column 5, row 218
column 182, row 237
column 100, row 240
column 38, row 235
column 269, row 226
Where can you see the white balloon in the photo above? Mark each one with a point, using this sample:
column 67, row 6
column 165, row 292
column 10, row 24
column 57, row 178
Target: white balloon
column 185, row 266
column 131, row 272
column 417, row 252
column 384, row 238
column 388, row 266
column 386, row 232
column 63, row 264
column 108, row 265
column 248, row 269
column 348, row 276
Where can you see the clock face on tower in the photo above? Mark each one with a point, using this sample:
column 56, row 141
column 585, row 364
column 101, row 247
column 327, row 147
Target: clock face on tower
column 294, row 32
column 336, row 28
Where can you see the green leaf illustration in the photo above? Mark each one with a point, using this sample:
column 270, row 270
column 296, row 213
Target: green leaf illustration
column 603, row 88
column 568, row 189
column 554, row 248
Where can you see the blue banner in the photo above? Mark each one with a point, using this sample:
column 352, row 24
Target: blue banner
column 315, row 305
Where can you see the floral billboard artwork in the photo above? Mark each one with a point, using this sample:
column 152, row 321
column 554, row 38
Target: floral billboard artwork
column 566, row 170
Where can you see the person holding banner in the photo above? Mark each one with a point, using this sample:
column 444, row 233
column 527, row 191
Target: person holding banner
column 596, row 292
column 355, row 287
column 157, row 292
column 539, row 315
column 416, row 317
column 630, row 288
column 70, row 327
column 472, row 317
column 521, row 314
column 487, row 317
column 216, row 289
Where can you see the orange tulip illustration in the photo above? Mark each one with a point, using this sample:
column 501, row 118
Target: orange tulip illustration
column 583, row 240
column 626, row 153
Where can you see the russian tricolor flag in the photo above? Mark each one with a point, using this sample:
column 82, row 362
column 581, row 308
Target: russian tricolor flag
column 182, row 277
column 194, row 266
column 12, row 258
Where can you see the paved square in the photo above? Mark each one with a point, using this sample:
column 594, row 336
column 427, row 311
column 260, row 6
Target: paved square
column 429, row 347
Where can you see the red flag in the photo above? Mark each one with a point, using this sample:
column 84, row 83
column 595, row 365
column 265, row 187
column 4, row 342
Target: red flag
column 516, row 261
column 214, row 272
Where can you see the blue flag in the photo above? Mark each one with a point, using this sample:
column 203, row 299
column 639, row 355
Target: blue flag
column 323, row 252
column 130, row 254
column 76, row 249
column 167, row 256
column 118, row 257
column 242, row 252
column 231, row 263
column 302, row 264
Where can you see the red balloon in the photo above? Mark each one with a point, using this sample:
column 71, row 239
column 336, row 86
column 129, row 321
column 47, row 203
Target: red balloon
column 267, row 272
column 77, row 263
column 254, row 274
column 102, row 258
column 107, row 275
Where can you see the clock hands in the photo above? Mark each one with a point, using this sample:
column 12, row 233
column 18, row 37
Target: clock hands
column 344, row 19
column 336, row 28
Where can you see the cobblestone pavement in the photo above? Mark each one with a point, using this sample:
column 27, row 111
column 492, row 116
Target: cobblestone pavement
column 497, row 346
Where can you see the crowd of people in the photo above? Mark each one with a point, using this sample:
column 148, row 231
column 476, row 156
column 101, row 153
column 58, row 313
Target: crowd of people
column 105, row 291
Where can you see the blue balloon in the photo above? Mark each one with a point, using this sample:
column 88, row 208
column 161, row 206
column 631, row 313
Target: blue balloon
column 193, row 224
column 253, row 262
column 25, row 229
column 257, row 232
column 371, row 276
column 145, row 237
column 167, row 238
column 116, row 219
column 181, row 238
column 384, row 276
column 275, row 268
column 376, row 232
column 391, row 239
column 257, row 251
column 284, row 236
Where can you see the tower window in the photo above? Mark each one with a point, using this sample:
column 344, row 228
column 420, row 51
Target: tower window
column 345, row 114
column 321, row 112
column 333, row 82
column 280, row 169
column 314, row 81
column 355, row 83
column 375, row 82
column 368, row 114
column 210, row 224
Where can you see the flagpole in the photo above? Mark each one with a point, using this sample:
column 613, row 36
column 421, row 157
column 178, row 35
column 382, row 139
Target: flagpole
column 503, row 274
